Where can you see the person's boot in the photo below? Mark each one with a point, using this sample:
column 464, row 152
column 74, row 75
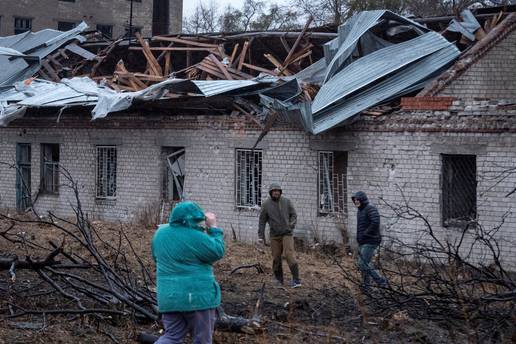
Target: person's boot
column 277, row 268
column 296, row 282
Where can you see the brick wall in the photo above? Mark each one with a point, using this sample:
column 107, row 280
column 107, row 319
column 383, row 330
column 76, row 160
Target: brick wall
column 492, row 76
column 386, row 156
column 47, row 14
column 210, row 170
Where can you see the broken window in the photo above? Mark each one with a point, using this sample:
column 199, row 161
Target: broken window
column 173, row 173
column 22, row 25
column 248, row 178
column 106, row 30
column 332, row 182
column 459, row 189
column 65, row 25
column 23, row 176
column 106, row 172
column 49, row 168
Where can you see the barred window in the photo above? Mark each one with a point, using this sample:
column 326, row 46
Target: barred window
column 332, row 189
column 459, row 189
column 49, row 168
column 248, row 178
column 106, row 30
column 22, row 25
column 106, row 172
column 65, row 25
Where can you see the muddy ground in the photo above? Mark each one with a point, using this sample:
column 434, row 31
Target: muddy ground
column 324, row 310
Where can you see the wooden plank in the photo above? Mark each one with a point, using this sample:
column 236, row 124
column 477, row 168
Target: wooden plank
column 213, row 51
column 259, row 69
column 50, row 70
column 168, row 63
column 210, row 71
column 298, row 40
column 220, row 66
column 234, row 73
column 285, row 44
column 141, row 76
column 153, row 63
column 277, row 64
column 233, row 54
column 242, row 55
column 184, row 41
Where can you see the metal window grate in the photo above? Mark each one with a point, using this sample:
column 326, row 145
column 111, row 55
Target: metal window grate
column 106, row 172
column 49, row 168
column 459, row 189
column 332, row 189
column 248, row 178
column 22, row 24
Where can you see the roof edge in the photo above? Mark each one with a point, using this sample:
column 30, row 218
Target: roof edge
column 496, row 35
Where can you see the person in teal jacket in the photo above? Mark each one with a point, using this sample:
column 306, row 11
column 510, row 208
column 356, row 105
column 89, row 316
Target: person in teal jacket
column 187, row 291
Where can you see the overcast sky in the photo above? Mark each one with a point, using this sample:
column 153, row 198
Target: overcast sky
column 190, row 5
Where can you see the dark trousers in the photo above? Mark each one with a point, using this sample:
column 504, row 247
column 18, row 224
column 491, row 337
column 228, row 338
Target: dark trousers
column 177, row 324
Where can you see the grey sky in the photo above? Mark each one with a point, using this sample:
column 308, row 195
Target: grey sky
column 189, row 5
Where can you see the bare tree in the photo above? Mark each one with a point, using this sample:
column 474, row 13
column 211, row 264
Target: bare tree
column 204, row 19
column 276, row 18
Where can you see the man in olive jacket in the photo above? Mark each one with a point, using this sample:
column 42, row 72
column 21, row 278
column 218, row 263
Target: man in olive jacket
column 279, row 212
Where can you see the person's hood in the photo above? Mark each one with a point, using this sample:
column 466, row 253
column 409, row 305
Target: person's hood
column 187, row 214
column 361, row 196
column 275, row 186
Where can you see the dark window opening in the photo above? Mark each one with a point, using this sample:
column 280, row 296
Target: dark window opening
column 106, row 30
column 22, row 25
column 173, row 173
column 459, row 189
column 160, row 17
column 248, row 178
column 65, row 26
column 106, row 172
column 23, row 179
column 332, row 186
column 49, row 168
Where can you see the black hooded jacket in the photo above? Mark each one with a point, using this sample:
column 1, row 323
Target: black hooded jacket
column 368, row 221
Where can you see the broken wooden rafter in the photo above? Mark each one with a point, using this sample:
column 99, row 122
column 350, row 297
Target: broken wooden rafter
column 187, row 49
column 185, row 41
column 242, row 55
column 258, row 69
column 279, row 68
column 298, row 40
column 220, row 66
column 151, row 60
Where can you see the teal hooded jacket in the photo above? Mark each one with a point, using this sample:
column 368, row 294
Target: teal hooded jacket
column 184, row 254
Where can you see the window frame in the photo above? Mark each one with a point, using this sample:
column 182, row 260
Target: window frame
column 19, row 29
column 99, row 195
column 339, row 205
column 257, row 185
column 447, row 220
column 43, row 187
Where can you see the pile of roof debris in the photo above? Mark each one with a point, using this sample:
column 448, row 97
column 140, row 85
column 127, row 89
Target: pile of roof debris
column 316, row 79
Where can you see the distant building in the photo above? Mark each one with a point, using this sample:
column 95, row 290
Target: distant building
column 110, row 17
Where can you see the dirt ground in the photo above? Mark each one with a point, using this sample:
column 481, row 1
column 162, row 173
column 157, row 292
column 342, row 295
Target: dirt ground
column 324, row 310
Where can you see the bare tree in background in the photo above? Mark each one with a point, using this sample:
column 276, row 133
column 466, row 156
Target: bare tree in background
column 204, row 19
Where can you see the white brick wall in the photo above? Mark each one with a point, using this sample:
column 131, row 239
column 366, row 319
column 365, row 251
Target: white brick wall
column 378, row 162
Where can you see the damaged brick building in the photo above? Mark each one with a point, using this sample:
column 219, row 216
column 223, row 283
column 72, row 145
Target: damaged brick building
column 448, row 151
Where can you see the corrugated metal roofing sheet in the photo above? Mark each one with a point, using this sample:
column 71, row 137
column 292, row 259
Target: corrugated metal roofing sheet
column 372, row 67
column 394, row 85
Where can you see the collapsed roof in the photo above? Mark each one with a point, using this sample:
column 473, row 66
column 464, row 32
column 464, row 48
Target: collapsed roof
column 324, row 80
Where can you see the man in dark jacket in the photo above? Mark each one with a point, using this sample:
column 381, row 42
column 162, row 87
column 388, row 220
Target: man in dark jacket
column 279, row 212
column 368, row 237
